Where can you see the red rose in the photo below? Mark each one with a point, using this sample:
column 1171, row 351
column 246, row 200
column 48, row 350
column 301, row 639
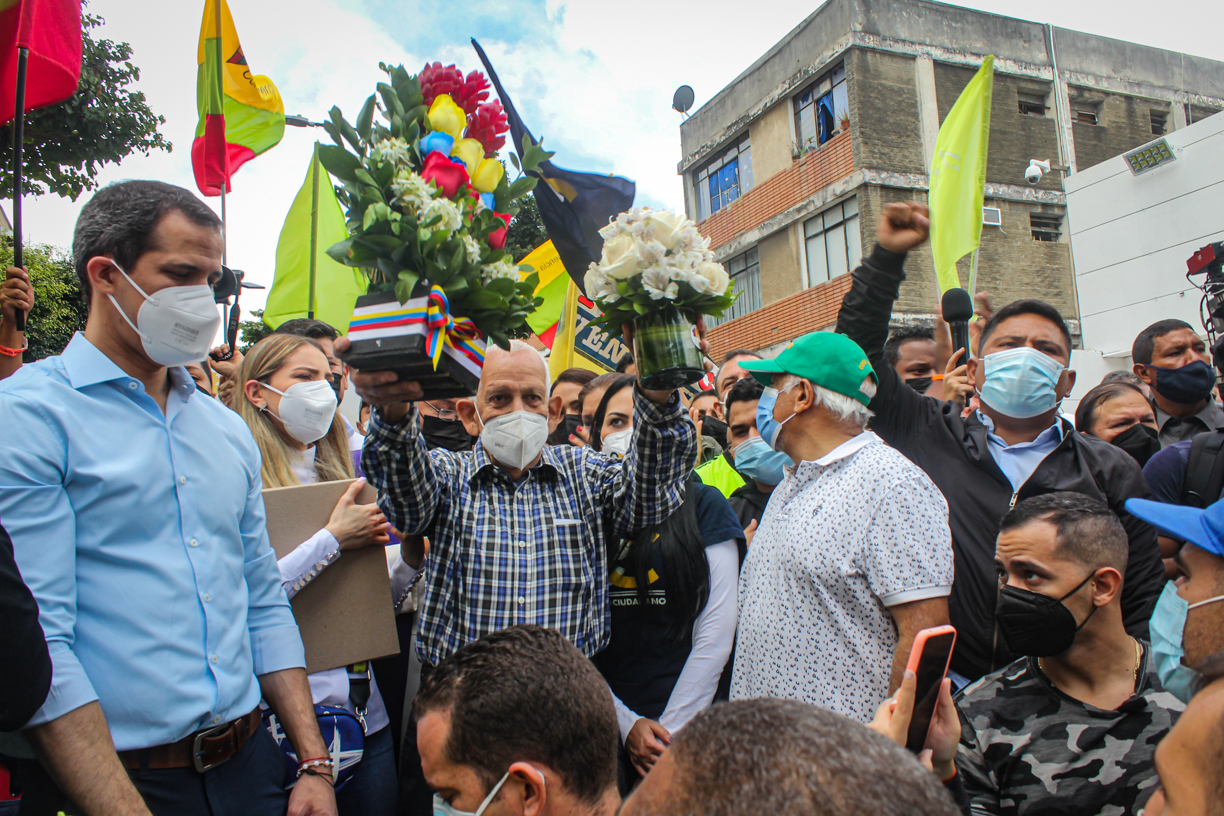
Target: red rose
column 497, row 238
column 445, row 174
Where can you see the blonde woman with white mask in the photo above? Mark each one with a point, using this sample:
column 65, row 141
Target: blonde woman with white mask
column 290, row 407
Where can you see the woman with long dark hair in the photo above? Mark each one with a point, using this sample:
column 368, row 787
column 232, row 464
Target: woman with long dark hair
column 674, row 603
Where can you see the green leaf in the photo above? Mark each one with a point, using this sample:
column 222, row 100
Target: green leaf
column 339, row 251
column 487, row 299
column 515, row 161
column 522, row 186
column 364, row 176
column 334, row 132
column 339, row 162
column 346, row 130
column 501, row 286
column 366, row 118
column 403, row 290
column 390, row 99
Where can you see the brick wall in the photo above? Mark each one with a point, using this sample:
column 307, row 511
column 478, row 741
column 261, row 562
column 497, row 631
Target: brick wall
column 1015, row 138
column 810, row 310
column 1011, row 264
column 811, row 173
column 884, row 111
column 1123, row 123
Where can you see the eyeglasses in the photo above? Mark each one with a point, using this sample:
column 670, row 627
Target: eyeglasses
column 443, row 413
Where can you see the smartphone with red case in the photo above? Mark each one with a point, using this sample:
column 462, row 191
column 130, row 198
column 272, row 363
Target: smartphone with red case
column 928, row 660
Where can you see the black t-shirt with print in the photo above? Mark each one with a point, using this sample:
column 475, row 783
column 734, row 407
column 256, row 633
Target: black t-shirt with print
column 641, row 664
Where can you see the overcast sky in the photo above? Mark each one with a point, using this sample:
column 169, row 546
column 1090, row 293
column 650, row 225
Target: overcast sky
column 594, row 79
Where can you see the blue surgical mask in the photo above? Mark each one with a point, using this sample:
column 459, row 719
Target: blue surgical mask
column 443, row 808
column 767, row 426
column 754, row 459
column 1020, row 382
column 1167, row 626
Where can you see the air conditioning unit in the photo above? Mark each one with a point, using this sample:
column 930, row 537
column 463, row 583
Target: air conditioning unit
column 992, row 216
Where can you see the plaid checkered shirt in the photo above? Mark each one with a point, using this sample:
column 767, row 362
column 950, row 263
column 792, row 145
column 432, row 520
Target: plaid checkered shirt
column 503, row 553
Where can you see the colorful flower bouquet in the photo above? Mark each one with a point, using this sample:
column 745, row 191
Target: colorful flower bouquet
column 428, row 206
column 658, row 273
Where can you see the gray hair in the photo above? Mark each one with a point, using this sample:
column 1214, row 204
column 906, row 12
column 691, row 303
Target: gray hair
column 846, row 410
column 516, row 346
column 119, row 221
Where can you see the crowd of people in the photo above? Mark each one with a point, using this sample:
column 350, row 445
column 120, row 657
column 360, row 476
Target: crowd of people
column 609, row 599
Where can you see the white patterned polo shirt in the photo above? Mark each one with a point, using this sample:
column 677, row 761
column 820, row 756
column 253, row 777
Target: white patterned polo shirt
column 843, row 538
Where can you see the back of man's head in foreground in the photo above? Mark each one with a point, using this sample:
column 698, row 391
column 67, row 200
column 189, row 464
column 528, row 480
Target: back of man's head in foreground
column 785, row 758
column 526, row 694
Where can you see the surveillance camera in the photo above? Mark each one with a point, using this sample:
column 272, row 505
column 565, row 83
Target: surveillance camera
column 1035, row 170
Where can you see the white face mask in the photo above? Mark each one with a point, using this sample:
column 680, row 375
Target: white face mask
column 515, row 439
column 177, row 324
column 307, row 410
column 618, row 442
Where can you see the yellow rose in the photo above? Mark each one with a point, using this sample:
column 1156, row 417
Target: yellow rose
column 470, row 151
column 446, row 116
column 488, row 174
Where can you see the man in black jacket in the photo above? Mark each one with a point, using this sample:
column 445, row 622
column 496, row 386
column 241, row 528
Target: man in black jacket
column 1013, row 448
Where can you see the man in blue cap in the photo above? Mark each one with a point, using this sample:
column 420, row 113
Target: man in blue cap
column 853, row 555
column 1188, row 624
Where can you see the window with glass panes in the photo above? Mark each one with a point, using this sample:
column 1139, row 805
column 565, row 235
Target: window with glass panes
column 819, row 109
column 745, row 272
column 724, row 179
column 833, row 243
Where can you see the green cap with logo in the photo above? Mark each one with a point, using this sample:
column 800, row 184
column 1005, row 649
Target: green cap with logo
column 830, row 360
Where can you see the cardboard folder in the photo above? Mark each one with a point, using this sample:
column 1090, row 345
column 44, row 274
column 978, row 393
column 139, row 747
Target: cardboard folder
column 345, row 614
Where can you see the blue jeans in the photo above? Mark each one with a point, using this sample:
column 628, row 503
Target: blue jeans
column 372, row 790
column 251, row 783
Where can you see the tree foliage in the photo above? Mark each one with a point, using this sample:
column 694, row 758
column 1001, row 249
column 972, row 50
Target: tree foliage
column 252, row 331
column 60, row 309
column 526, row 231
column 66, row 145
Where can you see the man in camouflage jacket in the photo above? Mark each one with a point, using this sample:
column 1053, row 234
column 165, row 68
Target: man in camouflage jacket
column 1075, row 730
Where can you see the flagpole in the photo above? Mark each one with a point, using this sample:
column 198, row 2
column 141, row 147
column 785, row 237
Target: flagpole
column 221, row 83
column 23, row 55
column 314, row 229
column 973, row 274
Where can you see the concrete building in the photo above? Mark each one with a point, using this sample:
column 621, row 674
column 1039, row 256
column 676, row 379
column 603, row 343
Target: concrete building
column 788, row 168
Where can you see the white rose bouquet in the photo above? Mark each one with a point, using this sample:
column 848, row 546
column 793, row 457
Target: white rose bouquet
column 654, row 260
column 659, row 274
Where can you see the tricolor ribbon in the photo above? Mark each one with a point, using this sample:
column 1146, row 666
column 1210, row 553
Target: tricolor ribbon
column 446, row 330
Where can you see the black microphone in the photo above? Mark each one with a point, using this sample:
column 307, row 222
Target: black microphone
column 957, row 311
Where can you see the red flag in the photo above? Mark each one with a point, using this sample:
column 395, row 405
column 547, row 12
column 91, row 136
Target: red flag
column 51, row 29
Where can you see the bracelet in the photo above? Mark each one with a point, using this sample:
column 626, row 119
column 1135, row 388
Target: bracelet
column 11, row 352
column 316, row 762
column 321, row 774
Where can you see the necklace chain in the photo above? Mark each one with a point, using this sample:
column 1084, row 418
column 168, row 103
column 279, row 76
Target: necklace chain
column 1138, row 661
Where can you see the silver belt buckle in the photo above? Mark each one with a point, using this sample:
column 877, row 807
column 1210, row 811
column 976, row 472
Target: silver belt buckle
column 196, row 751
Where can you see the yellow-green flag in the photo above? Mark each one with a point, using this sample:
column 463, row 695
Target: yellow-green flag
column 958, row 177
column 303, row 267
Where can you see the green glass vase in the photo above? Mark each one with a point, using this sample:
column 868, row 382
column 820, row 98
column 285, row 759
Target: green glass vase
column 666, row 350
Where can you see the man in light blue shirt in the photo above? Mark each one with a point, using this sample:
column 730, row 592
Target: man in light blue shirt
column 137, row 520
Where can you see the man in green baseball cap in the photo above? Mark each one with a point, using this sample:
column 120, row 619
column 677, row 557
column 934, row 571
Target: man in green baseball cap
column 848, row 500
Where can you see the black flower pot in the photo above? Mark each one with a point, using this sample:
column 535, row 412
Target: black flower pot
column 383, row 341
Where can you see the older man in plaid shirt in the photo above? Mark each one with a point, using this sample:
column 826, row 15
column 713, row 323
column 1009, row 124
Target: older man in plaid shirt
column 517, row 530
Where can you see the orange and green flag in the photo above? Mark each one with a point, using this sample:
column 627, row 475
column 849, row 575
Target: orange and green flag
column 241, row 115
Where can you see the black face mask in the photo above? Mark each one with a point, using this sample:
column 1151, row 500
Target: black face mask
column 1140, row 441
column 1037, row 625
column 716, row 429
column 1188, row 385
column 447, row 434
column 920, row 384
column 565, row 428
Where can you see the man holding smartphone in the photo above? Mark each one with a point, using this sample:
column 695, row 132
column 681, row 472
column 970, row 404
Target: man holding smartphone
column 1072, row 727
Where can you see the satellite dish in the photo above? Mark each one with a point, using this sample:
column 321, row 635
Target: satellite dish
column 683, row 98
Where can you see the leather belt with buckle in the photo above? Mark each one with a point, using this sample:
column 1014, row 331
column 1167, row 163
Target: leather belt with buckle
column 203, row 750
